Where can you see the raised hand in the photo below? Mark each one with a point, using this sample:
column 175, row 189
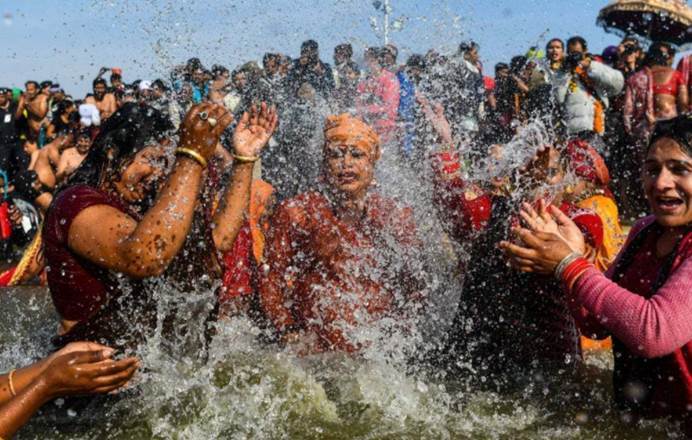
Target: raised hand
column 202, row 127
column 550, row 237
column 254, row 130
column 435, row 115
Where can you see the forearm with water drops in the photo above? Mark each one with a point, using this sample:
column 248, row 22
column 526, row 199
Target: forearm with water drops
column 161, row 233
column 231, row 214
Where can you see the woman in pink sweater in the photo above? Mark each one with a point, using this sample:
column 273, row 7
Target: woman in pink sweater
column 645, row 299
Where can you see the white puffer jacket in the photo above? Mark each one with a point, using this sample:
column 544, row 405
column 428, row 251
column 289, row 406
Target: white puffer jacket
column 577, row 105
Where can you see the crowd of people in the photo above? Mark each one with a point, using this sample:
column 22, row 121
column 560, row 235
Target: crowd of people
column 262, row 179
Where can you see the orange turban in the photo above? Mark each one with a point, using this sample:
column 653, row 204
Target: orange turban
column 351, row 130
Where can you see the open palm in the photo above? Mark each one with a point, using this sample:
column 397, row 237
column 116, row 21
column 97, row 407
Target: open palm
column 254, row 130
column 551, row 220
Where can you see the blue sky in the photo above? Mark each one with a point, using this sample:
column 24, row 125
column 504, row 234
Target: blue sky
column 68, row 40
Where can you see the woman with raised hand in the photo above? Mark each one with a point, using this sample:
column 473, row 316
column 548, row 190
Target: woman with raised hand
column 643, row 301
column 123, row 217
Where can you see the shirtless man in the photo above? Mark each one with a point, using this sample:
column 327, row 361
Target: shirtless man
column 72, row 157
column 103, row 101
column 36, row 105
column 45, row 161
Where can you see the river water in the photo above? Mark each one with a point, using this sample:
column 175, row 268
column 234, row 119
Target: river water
column 245, row 391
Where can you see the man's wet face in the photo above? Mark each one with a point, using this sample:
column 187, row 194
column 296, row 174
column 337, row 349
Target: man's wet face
column 99, row 90
column 31, row 90
column 575, row 47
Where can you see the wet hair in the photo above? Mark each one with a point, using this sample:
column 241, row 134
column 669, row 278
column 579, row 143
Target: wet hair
column 98, row 81
column 45, row 84
column 552, row 40
column 193, row 64
column 159, row 84
column 122, row 135
column 35, row 83
column 678, row 129
column 417, row 61
column 64, row 105
column 466, row 46
column 655, row 55
column 577, row 39
column 116, row 76
column 4, row 90
column 310, row 45
column 344, row 49
column 501, row 66
column 375, row 53
column 517, row 64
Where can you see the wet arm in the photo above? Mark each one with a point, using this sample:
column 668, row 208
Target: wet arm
column 230, row 216
column 114, row 240
column 274, row 288
column 650, row 327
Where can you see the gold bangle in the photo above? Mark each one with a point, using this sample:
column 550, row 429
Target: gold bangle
column 193, row 155
column 245, row 159
column 14, row 393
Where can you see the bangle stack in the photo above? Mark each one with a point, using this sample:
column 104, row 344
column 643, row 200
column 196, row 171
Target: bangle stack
column 192, row 154
column 562, row 265
column 574, row 270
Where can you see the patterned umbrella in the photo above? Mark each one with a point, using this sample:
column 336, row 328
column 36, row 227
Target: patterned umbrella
column 655, row 20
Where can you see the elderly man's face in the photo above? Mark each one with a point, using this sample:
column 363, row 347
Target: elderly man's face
column 350, row 167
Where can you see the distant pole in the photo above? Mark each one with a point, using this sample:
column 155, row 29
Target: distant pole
column 386, row 22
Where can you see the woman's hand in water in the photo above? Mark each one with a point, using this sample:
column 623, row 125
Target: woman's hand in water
column 202, row 127
column 549, row 238
column 254, row 130
column 84, row 368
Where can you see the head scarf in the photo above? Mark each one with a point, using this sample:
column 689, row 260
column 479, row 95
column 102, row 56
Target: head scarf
column 353, row 131
column 586, row 163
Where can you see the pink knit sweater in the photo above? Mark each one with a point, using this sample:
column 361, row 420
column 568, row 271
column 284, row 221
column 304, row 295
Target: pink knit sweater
column 649, row 327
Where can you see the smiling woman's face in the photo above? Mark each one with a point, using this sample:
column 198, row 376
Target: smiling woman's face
column 667, row 180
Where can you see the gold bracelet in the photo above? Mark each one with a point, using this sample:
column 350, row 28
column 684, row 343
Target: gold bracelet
column 193, row 155
column 245, row 159
column 14, row 393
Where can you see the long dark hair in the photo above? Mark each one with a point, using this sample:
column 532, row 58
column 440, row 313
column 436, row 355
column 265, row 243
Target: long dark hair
column 679, row 129
column 121, row 136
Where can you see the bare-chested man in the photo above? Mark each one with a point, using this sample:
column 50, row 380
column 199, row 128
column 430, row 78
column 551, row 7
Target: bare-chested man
column 35, row 104
column 45, row 161
column 72, row 157
column 103, row 100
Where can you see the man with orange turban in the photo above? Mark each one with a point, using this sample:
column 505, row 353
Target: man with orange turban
column 339, row 258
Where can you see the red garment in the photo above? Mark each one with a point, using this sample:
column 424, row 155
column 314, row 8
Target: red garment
column 327, row 276
column 238, row 267
column 78, row 287
column 639, row 104
column 464, row 215
column 656, row 326
column 377, row 103
column 671, row 86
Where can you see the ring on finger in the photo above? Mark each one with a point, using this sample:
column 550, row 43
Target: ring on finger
column 212, row 121
column 203, row 115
